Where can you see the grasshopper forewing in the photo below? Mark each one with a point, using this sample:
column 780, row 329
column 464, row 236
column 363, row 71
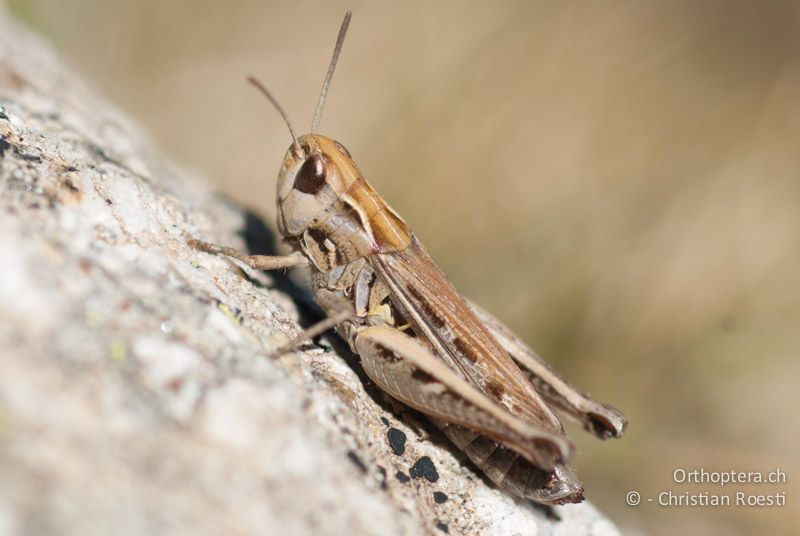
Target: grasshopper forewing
column 418, row 338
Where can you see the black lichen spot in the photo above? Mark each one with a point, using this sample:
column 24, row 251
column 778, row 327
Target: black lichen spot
column 422, row 376
column 385, row 421
column 4, row 146
column 357, row 461
column 3, row 114
column 397, row 440
column 71, row 169
column 443, row 527
column 109, row 202
column 402, row 477
column 439, row 497
column 424, row 468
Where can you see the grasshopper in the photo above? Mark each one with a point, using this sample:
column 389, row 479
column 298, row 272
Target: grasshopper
column 418, row 339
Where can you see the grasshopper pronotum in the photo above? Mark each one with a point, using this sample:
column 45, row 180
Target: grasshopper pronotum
column 418, row 338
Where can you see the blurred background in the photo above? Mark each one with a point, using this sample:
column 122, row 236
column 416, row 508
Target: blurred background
column 618, row 181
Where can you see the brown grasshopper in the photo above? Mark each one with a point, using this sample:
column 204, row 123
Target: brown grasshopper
column 419, row 340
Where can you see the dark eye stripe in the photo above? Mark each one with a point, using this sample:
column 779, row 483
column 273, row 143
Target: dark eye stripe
column 311, row 176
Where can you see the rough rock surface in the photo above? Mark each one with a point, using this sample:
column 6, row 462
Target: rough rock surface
column 136, row 394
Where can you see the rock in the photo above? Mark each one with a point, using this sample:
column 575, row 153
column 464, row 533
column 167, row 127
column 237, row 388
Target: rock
column 137, row 395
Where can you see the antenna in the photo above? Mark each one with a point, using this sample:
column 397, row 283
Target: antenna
column 327, row 82
column 253, row 80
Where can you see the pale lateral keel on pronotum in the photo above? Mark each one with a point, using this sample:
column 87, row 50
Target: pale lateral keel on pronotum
column 418, row 338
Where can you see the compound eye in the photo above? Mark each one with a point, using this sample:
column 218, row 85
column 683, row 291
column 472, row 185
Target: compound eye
column 311, row 176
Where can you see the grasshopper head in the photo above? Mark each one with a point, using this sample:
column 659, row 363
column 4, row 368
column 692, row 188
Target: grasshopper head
column 319, row 172
column 316, row 171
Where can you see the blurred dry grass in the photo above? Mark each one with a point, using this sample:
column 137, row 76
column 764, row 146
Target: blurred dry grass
column 620, row 181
